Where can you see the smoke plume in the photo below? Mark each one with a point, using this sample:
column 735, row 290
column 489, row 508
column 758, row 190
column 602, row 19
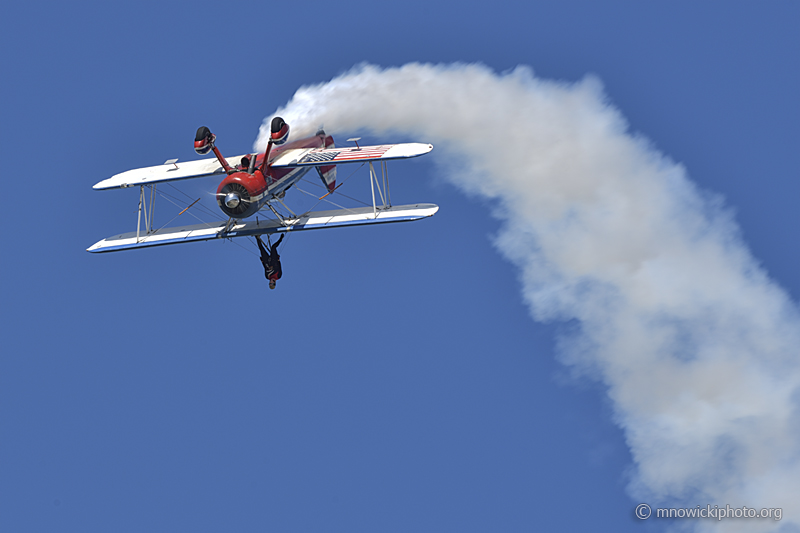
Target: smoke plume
column 696, row 346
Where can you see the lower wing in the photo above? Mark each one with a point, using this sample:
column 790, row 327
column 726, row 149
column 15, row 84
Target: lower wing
column 220, row 230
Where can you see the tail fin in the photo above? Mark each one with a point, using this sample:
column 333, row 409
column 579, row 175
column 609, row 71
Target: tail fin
column 327, row 173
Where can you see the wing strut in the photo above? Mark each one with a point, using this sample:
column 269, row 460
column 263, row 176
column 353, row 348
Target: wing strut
column 283, row 222
column 374, row 183
column 149, row 213
column 139, row 216
column 148, row 220
column 152, row 207
column 385, row 170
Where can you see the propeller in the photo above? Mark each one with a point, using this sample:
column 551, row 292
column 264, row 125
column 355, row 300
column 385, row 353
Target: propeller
column 233, row 199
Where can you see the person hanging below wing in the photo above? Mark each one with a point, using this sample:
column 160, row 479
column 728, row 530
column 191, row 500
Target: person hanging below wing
column 271, row 260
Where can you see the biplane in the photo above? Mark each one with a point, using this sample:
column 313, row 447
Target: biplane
column 255, row 185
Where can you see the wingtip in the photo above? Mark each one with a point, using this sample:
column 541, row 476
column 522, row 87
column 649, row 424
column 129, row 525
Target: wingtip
column 100, row 185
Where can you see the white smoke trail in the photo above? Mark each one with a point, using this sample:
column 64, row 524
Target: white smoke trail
column 696, row 345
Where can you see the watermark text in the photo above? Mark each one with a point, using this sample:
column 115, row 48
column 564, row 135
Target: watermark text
column 644, row 511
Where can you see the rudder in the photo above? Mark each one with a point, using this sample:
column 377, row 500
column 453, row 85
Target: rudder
column 327, row 173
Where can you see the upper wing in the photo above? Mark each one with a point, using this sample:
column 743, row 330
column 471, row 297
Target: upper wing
column 166, row 172
column 298, row 157
column 310, row 157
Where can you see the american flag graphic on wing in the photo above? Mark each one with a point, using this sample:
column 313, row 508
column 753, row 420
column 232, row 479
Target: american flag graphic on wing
column 336, row 155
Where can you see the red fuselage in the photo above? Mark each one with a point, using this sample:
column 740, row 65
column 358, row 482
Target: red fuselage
column 247, row 192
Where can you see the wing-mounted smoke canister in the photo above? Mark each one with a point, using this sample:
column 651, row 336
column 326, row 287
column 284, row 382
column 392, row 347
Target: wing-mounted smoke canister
column 204, row 140
column 279, row 131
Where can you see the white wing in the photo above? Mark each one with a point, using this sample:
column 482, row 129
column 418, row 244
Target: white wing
column 312, row 157
column 297, row 157
column 166, row 172
column 309, row 221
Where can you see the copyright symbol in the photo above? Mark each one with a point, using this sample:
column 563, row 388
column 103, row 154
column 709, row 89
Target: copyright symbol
column 643, row 511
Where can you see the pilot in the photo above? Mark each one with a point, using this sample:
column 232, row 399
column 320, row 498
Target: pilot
column 245, row 163
column 271, row 261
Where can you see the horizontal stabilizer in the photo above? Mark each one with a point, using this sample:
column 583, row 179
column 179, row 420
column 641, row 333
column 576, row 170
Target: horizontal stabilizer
column 310, row 221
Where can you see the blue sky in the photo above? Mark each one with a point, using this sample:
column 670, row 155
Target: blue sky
column 394, row 381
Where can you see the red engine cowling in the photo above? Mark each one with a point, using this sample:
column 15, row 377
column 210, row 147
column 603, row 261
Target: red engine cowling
column 241, row 194
column 279, row 131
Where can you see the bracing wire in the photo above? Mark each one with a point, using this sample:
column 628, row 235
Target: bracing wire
column 321, row 200
column 337, row 192
column 205, row 210
column 324, row 199
column 248, row 250
column 201, row 206
column 173, row 200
